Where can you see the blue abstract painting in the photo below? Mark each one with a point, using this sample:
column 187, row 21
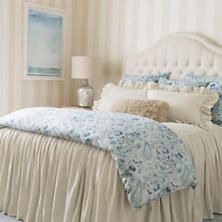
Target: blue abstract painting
column 44, row 56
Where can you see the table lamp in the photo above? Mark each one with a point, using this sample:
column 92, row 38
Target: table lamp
column 84, row 67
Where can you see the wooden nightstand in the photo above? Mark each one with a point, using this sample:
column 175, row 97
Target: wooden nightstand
column 75, row 107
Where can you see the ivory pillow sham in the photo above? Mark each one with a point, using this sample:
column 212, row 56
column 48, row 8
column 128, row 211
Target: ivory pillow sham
column 152, row 109
column 188, row 104
column 112, row 93
column 214, row 84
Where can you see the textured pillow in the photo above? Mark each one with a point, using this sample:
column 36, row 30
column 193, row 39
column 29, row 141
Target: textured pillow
column 214, row 84
column 188, row 105
column 140, row 81
column 112, row 93
column 152, row 109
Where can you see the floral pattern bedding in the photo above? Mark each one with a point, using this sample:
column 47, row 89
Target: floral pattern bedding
column 151, row 159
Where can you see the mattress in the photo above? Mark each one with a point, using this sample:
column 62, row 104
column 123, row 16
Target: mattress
column 50, row 179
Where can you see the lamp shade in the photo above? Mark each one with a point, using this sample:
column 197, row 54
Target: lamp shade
column 85, row 67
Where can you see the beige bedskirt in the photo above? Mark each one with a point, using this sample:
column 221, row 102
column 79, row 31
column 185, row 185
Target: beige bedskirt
column 45, row 179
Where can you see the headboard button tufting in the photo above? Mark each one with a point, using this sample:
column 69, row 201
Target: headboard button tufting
column 165, row 54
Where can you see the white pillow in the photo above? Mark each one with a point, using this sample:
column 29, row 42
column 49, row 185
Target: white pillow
column 112, row 93
column 189, row 104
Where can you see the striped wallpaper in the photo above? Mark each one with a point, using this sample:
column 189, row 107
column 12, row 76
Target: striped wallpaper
column 115, row 28
column 16, row 92
column 107, row 28
column 3, row 56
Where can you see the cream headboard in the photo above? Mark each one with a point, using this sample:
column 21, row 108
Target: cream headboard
column 180, row 54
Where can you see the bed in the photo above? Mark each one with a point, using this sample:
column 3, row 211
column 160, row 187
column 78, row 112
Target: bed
column 46, row 179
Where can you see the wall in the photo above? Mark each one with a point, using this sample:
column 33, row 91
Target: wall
column 107, row 28
column 115, row 28
column 3, row 55
column 17, row 92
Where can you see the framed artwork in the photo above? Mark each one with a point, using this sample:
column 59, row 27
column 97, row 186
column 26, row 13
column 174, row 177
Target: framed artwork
column 43, row 42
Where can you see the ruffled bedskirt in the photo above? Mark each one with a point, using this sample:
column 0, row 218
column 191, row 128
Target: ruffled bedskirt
column 45, row 179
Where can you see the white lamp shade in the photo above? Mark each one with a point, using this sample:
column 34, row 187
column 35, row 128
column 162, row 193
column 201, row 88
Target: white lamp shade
column 84, row 67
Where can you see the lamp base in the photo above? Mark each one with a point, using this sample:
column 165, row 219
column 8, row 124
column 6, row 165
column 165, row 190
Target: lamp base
column 85, row 95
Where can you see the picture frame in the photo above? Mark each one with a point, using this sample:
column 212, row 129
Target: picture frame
column 44, row 42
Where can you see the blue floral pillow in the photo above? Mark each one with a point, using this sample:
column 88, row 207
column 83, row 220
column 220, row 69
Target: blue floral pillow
column 180, row 83
column 216, row 86
column 145, row 78
column 213, row 84
column 199, row 79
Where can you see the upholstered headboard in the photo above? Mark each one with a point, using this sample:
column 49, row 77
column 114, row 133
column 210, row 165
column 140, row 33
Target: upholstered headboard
column 180, row 54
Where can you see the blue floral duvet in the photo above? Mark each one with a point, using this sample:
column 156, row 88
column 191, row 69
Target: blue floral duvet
column 152, row 161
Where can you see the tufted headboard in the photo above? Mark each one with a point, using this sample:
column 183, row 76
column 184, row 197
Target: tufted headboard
column 180, row 54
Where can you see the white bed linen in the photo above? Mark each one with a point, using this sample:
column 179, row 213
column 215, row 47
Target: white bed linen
column 53, row 180
column 205, row 148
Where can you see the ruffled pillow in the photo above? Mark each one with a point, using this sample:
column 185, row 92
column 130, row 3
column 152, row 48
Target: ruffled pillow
column 214, row 84
column 140, row 81
column 188, row 104
column 152, row 109
column 112, row 93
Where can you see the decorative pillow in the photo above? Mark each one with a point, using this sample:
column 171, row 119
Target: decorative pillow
column 140, row 81
column 188, row 105
column 214, row 85
column 152, row 109
column 181, row 83
column 198, row 79
column 112, row 93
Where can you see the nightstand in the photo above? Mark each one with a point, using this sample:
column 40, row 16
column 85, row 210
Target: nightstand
column 76, row 107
